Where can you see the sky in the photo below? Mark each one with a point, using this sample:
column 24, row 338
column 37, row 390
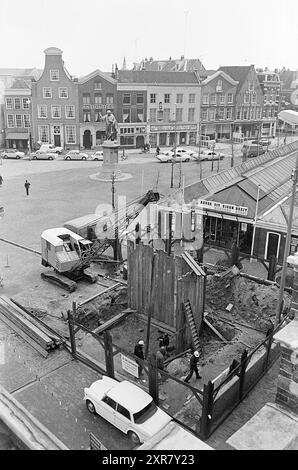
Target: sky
column 94, row 34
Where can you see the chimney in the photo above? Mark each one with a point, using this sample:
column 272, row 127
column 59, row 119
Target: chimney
column 287, row 385
column 116, row 72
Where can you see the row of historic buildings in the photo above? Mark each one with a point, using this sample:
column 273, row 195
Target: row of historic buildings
column 157, row 102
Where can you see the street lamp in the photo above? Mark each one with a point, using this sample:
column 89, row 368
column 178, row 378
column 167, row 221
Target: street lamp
column 232, row 129
column 175, row 148
column 294, row 177
column 29, row 136
column 200, row 161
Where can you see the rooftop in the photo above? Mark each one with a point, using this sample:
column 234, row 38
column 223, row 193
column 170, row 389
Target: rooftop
column 155, row 77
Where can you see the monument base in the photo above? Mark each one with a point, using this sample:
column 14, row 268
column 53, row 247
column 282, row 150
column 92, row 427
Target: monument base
column 110, row 164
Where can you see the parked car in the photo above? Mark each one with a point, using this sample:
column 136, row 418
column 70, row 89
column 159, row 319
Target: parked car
column 39, row 155
column 12, row 153
column 211, row 155
column 182, row 151
column 262, row 141
column 164, row 157
column 50, row 148
column 76, row 155
column 97, row 156
column 127, row 407
column 252, row 150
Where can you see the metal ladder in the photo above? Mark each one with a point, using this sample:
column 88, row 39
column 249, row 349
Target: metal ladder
column 192, row 325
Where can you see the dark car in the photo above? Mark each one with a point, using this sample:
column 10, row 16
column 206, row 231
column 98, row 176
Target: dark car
column 265, row 142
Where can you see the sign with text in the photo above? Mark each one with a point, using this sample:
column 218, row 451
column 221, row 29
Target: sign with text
column 130, row 366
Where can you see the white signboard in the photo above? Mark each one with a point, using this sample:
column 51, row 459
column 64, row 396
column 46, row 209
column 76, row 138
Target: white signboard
column 130, row 366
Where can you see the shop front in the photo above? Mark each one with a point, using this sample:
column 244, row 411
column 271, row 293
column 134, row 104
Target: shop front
column 17, row 141
column 167, row 134
column 132, row 136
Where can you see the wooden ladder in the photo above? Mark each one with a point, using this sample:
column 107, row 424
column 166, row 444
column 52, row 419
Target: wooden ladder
column 192, row 325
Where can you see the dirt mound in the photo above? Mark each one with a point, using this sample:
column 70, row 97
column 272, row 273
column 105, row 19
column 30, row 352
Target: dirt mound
column 179, row 366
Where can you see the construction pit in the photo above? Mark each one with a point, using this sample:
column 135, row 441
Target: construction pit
column 251, row 311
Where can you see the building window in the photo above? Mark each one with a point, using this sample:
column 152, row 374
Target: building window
column 204, row 115
column 252, row 113
column 54, row 75
column 246, row 97
column 25, row 102
column 191, row 114
column 152, row 97
column 211, row 114
column 70, row 134
column 86, row 98
column 97, row 116
column 56, row 112
column 219, row 85
column 43, row 132
column 126, row 98
column 222, row 99
column 152, row 115
column 221, row 113
column 98, row 98
column 238, row 114
column 42, row 111
column 10, row 120
column 26, row 120
column 70, row 111
column 97, row 86
column 17, row 103
column 140, row 98
column 167, row 97
column 245, row 114
column 19, row 120
column 47, row 92
column 254, row 97
column 166, row 115
column 140, row 115
column 179, row 98
column 110, row 99
column 213, row 98
column 206, row 98
column 9, row 103
column 229, row 113
column 179, row 114
column 191, row 98
column 230, row 98
column 126, row 115
column 63, row 92
column 86, row 116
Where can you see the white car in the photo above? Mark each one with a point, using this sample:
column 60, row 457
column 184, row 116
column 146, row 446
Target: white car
column 39, row 155
column 182, row 151
column 127, row 407
column 97, row 156
column 211, row 155
column 12, row 153
column 76, row 155
column 164, row 157
column 50, row 148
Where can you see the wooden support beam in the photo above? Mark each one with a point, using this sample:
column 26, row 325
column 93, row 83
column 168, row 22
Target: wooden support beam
column 99, row 293
column 214, row 329
column 108, row 324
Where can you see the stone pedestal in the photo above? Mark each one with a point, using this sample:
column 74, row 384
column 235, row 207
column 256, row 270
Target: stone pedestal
column 110, row 160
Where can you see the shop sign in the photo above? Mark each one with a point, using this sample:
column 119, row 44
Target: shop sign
column 98, row 106
column 129, row 365
column 222, row 207
column 173, row 128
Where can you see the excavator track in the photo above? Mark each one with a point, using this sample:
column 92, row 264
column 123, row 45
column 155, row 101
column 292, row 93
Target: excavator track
column 61, row 281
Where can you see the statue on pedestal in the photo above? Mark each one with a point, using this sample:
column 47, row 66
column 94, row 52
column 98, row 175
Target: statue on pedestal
column 111, row 125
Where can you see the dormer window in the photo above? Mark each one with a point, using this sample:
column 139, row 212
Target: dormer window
column 97, row 86
column 219, row 85
column 54, row 75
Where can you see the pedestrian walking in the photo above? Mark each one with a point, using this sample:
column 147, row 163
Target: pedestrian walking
column 139, row 352
column 27, row 186
column 1, row 180
column 157, row 150
column 285, row 139
column 193, row 366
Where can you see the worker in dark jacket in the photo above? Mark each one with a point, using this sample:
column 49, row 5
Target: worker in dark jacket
column 160, row 358
column 193, row 366
column 139, row 352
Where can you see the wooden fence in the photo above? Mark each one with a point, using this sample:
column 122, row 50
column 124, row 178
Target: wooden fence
column 160, row 284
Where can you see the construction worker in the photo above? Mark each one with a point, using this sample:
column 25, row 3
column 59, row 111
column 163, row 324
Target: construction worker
column 164, row 340
column 193, row 366
column 160, row 358
column 139, row 352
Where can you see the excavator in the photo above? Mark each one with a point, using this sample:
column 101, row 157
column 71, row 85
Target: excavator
column 69, row 255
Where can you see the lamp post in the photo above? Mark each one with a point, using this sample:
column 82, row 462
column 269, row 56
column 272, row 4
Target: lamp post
column 200, row 161
column 29, row 143
column 232, row 158
column 294, row 177
column 113, row 177
column 175, row 148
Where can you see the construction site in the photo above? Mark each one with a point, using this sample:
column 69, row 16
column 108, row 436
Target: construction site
column 73, row 310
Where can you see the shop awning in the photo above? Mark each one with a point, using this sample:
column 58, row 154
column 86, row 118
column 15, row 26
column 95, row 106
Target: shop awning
column 16, row 136
column 289, row 116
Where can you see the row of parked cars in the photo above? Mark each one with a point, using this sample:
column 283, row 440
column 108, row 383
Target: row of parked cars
column 51, row 154
column 186, row 155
